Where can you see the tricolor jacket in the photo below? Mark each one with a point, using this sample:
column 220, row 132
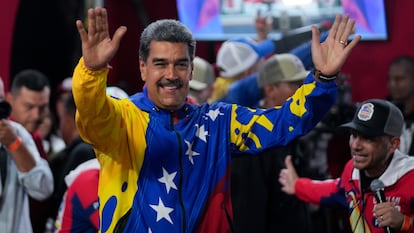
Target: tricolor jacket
column 164, row 171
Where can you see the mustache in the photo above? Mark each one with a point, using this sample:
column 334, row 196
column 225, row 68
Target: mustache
column 170, row 83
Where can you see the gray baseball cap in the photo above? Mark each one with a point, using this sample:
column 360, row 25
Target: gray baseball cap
column 376, row 117
column 283, row 67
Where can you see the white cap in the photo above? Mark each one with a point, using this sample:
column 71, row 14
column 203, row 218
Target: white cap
column 235, row 57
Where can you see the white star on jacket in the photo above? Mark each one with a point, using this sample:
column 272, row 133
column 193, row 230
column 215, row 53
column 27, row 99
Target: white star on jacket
column 201, row 133
column 162, row 211
column 190, row 151
column 168, row 179
column 213, row 114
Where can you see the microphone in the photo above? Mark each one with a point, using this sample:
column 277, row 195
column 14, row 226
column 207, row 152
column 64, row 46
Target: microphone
column 378, row 188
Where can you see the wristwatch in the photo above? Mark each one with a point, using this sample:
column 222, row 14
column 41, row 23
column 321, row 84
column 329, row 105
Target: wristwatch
column 323, row 77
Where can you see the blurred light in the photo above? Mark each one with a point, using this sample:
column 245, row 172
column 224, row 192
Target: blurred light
column 296, row 2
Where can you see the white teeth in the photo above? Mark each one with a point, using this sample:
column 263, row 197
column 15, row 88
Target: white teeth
column 170, row 88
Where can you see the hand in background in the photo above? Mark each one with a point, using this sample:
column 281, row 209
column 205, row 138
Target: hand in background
column 263, row 26
column 288, row 176
column 7, row 133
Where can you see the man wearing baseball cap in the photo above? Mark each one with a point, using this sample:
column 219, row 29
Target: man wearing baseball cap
column 376, row 118
column 236, row 59
column 279, row 77
column 376, row 166
column 201, row 86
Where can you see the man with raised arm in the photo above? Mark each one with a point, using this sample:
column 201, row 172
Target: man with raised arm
column 165, row 164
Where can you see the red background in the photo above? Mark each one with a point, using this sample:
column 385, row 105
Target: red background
column 367, row 64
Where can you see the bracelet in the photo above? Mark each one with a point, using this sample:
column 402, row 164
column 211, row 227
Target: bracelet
column 406, row 223
column 324, row 77
column 14, row 145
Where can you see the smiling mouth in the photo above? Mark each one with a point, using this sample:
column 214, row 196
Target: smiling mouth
column 167, row 83
column 358, row 156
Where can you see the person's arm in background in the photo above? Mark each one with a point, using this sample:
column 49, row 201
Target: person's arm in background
column 22, row 157
column 308, row 190
column 33, row 171
column 263, row 26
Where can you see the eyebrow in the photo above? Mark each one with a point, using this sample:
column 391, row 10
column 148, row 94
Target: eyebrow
column 155, row 59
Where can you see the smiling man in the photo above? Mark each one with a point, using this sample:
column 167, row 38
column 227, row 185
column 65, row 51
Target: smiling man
column 165, row 163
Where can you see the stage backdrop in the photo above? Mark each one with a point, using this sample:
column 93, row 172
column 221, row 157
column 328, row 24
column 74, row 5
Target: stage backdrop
column 367, row 65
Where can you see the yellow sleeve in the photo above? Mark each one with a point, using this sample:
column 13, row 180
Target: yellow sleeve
column 116, row 129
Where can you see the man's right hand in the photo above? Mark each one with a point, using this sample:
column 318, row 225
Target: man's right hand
column 97, row 46
column 288, row 176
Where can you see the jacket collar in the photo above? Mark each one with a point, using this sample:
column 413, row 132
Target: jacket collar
column 399, row 166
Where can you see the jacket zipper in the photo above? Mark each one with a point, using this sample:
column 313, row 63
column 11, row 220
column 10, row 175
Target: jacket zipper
column 180, row 161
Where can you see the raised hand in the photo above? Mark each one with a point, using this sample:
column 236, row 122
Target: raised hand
column 288, row 176
column 263, row 26
column 329, row 56
column 7, row 133
column 97, row 46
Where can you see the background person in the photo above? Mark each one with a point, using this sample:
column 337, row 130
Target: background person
column 78, row 211
column 237, row 59
column 52, row 141
column 76, row 152
column 201, row 85
column 246, row 91
column 29, row 97
column 374, row 140
column 401, row 93
column 23, row 173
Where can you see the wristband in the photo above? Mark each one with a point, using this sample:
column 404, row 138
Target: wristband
column 406, row 223
column 14, row 145
column 318, row 74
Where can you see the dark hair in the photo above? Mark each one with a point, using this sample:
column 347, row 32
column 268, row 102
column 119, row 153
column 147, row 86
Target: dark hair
column 405, row 60
column 166, row 30
column 69, row 104
column 32, row 79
